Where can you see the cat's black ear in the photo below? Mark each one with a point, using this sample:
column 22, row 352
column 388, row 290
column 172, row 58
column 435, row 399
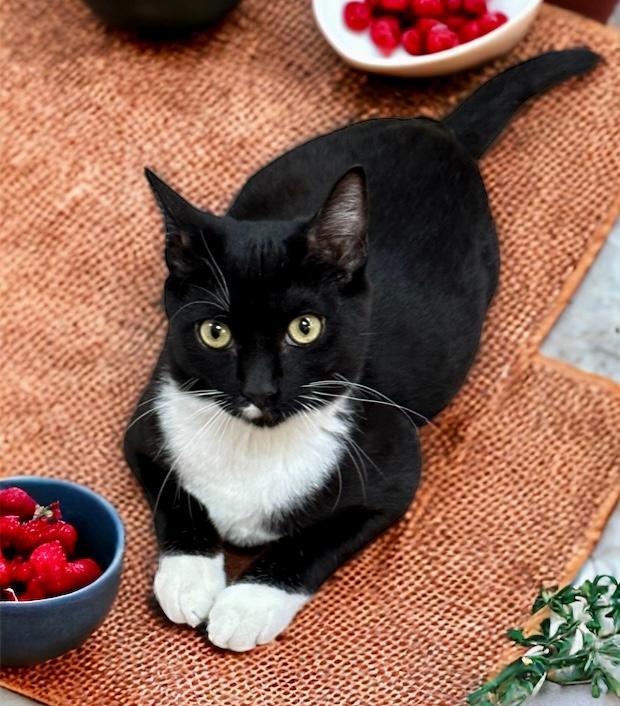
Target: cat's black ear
column 338, row 234
column 186, row 227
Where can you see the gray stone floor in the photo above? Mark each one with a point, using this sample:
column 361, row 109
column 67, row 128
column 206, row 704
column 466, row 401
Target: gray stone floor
column 588, row 333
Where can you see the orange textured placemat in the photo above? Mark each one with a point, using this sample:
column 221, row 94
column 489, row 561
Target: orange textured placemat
column 523, row 467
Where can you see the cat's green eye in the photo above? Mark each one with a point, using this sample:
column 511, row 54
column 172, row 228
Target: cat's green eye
column 214, row 334
column 304, row 329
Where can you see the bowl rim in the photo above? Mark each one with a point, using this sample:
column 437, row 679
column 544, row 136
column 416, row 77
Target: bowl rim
column 114, row 565
column 412, row 61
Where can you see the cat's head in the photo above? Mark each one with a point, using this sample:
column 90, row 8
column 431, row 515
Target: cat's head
column 260, row 310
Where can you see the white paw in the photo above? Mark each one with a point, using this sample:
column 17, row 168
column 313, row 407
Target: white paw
column 249, row 614
column 186, row 586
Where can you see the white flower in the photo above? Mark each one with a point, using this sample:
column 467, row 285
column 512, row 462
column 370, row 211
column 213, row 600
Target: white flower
column 577, row 644
column 608, row 627
column 538, row 685
column 579, row 609
column 555, row 620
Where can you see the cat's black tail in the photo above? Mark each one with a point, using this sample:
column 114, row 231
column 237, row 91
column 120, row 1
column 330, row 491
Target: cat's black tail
column 482, row 116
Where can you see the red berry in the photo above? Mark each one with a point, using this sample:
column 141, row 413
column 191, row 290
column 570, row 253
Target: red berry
column 48, row 563
column 80, row 573
column 490, row 21
column 357, row 16
column 393, row 23
column 453, row 6
column 36, row 532
column 6, row 574
column 66, row 534
column 55, row 574
column 469, row 31
column 385, row 34
column 425, row 23
column 475, row 7
column 394, row 5
column 10, row 526
column 21, row 570
column 428, row 8
column 440, row 38
column 15, row 501
column 35, row 590
column 412, row 41
column 455, row 22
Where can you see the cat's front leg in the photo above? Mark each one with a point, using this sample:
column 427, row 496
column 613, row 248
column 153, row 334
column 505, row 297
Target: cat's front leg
column 190, row 572
column 261, row 604
column 186, row 585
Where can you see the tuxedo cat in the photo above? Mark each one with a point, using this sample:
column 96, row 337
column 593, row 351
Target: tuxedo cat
column 334, row 308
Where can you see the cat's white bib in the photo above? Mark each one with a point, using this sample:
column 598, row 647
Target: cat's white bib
column 243, row 474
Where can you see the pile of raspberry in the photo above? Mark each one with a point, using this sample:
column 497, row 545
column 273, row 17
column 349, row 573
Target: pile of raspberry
column 421, row 26
column 37, row 550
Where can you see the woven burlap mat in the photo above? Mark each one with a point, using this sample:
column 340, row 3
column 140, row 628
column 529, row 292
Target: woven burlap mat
column 523, row 467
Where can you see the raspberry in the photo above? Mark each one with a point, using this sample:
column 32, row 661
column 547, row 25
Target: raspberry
column 35, row 532
column 453, row 6
column 35, row 590
column 469, row 31
column 490, row 21
column 412, row 41
column 10, row 526
column 394, row 5
column 57, row 575
column 475, row 7
column 357, row 16
column 48, row 563
column 21, row 570
column 440, row 38
column 15, row 501
column 428, row 8
column 80, row 573
column 425, row 23
column 455, row 22
column 385, row 34
column 5, row 572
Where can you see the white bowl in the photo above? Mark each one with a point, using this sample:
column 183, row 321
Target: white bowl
column 357, row 49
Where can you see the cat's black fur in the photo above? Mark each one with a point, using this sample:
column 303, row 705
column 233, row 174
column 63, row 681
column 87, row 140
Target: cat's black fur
column 403, row 309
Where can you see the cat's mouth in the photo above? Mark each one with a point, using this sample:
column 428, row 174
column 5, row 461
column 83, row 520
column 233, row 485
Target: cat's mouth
column 265, row 416
column 261, row 417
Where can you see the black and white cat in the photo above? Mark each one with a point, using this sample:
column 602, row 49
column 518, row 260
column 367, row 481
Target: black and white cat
column 338, row 304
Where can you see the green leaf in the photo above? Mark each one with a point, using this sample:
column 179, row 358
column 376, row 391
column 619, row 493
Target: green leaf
column 566, row 657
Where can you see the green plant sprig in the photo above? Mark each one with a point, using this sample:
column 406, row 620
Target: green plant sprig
column 578, row 643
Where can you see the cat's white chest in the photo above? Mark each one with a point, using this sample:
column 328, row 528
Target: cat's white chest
column 245, row 475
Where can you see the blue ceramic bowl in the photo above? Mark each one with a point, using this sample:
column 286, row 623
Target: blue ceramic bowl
column 34, row 631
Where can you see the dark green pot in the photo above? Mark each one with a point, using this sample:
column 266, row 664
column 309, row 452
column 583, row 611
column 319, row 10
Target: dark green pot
column 160, row 16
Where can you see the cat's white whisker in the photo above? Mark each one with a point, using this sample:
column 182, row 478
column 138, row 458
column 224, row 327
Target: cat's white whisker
column 220, row 301
column 196, row 303
column 371, row 390
column 361, row 451
column 217, row 272
column 357, row 470
column 369, row 400
column 173, row 465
